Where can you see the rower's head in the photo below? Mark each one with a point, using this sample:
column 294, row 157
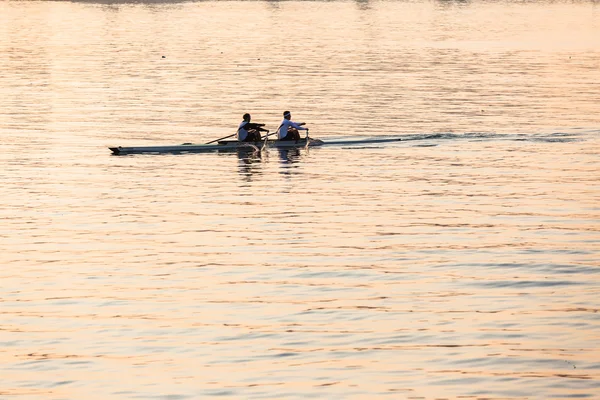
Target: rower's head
column 246, row 117
column 287, row 115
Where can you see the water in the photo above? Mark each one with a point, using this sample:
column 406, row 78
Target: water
column 461, row 262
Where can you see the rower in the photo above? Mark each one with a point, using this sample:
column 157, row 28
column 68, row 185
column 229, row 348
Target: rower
column 249, row 131
column 288, row 129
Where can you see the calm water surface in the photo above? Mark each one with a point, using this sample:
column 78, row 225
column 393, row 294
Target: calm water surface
column 461, row 262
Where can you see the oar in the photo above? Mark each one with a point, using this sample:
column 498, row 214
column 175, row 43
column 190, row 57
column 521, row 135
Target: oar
column 265, row 140
column 268, row 134
column 226, row 137
column 307, row 139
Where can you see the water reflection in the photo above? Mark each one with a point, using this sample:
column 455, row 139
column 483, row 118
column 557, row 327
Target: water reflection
column 249, row 163
column 453, row 2
column 363, row 4
column 442, row 271
column 132, row 2
column 289, row 156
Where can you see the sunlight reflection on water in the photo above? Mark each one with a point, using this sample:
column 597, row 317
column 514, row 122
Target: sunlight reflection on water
column 461, row 261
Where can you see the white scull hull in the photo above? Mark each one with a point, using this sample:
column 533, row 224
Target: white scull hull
column 232, row 145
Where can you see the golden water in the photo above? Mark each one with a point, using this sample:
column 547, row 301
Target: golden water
column 461, row 262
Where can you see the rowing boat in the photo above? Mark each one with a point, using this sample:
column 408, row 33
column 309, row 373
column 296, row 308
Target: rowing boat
column 234, row 145
column 224, row 145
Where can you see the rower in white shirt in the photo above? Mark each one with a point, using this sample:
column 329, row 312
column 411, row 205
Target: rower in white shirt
column 249, row 131
column 288, row 129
